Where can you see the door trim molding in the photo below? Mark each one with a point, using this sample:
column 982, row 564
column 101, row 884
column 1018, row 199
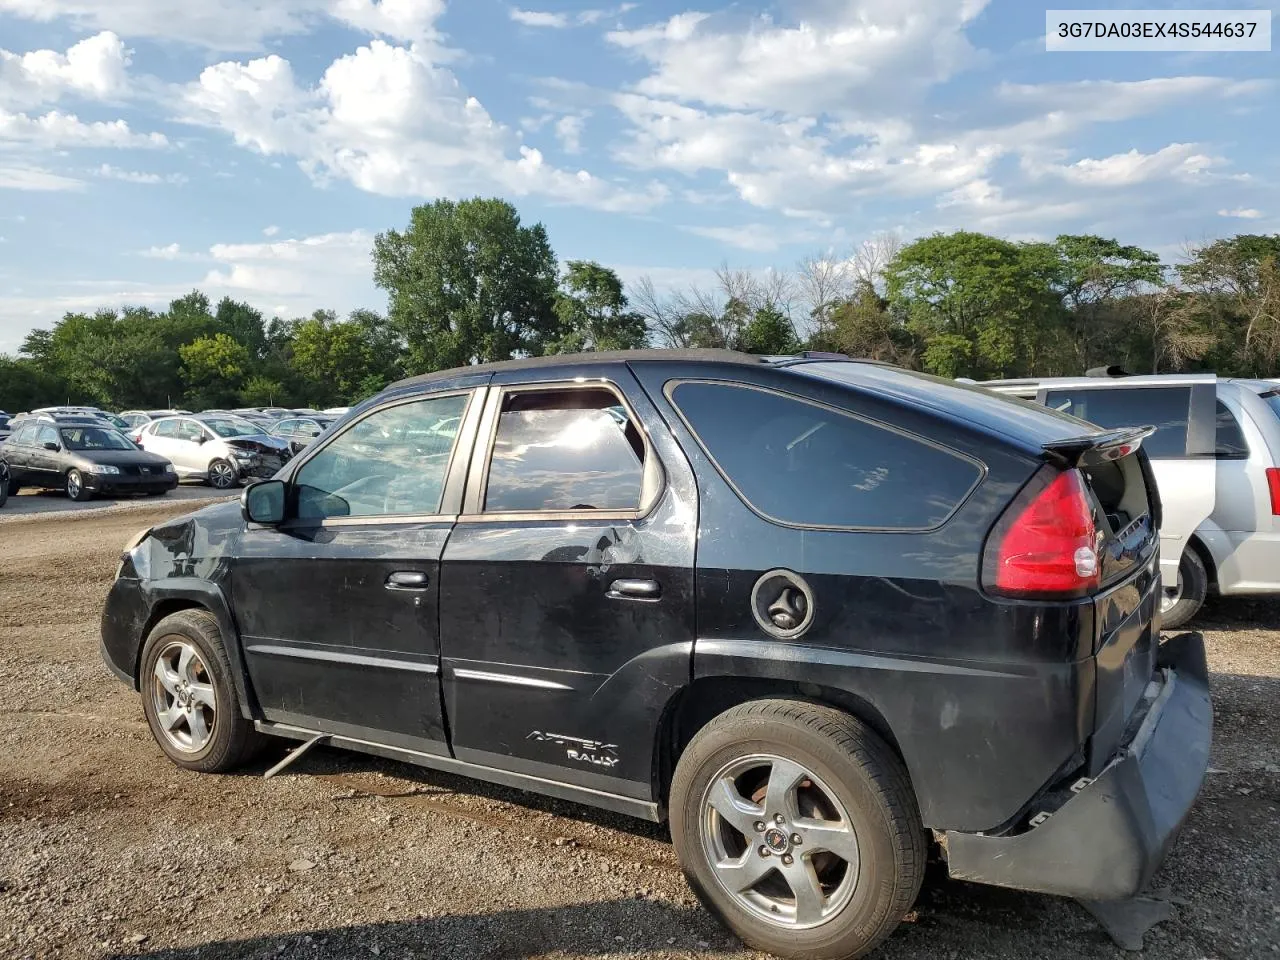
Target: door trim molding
column 336, row 656
column 513, row 680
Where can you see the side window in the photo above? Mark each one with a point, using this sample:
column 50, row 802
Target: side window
column 1229, row 443
column 800, row 463
column 47, row 435
column 165, row 428
column 564, row 450
column 26, row 436
column 190, row 431
column 285, row 428
column 1165, row 408
column 393, row 462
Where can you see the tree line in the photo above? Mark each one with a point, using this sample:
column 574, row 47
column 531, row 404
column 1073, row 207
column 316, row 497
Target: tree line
column 468, row 282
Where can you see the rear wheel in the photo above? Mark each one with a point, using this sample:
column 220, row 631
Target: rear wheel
column 4, row 484
column 188, row 698
column 1184, row 599
column 797, row 826
column 75, row 486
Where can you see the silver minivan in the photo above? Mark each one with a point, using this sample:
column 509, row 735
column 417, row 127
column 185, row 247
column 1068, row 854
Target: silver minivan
column 1216, row 459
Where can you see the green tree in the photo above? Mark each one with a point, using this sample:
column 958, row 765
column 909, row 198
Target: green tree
column 593, row 314
column 768, row 332
column 862, row 326
column 468, row 283
column 1098, row 276
column 1236, row 283
column 243, row 323
column 997, row 295
column 214, row 369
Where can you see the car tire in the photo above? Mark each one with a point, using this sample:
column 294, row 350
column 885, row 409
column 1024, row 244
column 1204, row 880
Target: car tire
column 841, row 773
column 74, row 485
column 4, row 487
column 223, row 475
column 1191, row 590
column 188, row 698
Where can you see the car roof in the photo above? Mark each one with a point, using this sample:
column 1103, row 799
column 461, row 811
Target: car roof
column 601, row 357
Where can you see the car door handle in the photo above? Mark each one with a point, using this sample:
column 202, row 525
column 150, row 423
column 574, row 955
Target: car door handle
column 627, row 589
column 407, row 580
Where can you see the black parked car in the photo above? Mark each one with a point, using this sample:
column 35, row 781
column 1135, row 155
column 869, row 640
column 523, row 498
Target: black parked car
column 83, row 456
column 816, row 613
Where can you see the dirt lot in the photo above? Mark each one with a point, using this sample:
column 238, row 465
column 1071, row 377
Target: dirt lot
column 107, row 850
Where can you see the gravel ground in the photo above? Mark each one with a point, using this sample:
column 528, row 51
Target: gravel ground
column 107, row 850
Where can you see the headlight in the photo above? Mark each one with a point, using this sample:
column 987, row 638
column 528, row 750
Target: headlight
column 103, row 468
column 139, row 557
column 244, row 456
column 168, row 468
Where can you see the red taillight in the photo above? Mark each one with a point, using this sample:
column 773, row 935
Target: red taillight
column 1046, row 544
column 1273, row 484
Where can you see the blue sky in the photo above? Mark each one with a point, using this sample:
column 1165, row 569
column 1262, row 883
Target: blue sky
column 254, row 147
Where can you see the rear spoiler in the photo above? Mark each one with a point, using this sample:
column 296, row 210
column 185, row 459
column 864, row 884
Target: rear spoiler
column 1096, row 447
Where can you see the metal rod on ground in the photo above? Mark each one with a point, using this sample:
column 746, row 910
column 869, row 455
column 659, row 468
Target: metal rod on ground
column 294, row 755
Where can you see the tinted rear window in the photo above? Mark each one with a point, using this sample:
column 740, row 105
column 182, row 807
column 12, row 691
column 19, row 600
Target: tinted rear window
column 1229, row 442
column 1165, row 408
column 1273, row 400
column 804, row 464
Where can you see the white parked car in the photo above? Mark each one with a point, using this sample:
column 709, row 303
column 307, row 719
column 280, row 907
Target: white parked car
column 1216, row 459
column 221, row 450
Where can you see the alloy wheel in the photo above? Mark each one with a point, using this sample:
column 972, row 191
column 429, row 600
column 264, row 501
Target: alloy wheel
column 779, row 841
column 222, row 475
column 183, row 697
column 1171, row 595
column 75, row 483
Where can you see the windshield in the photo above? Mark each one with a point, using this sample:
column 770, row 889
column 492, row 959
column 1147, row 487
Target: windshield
column 94, row 438
column 232, row 427
column 118, row 422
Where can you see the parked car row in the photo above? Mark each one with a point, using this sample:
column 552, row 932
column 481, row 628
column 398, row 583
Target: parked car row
column 221, row 448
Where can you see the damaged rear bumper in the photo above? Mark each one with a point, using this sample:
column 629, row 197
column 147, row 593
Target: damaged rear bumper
column 1108, row 839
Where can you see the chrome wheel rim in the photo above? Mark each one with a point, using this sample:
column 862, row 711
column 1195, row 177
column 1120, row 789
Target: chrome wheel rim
column 779, row 841
column 74, row 484
column 1171, row 595
column 221, row 475
column 182, row 694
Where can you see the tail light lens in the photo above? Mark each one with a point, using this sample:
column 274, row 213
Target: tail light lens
column 1273, row 484
column 1046, row 543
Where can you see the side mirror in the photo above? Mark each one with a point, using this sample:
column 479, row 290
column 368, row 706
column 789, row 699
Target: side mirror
column 263, row 502
column 50, row 445
column 202, row 439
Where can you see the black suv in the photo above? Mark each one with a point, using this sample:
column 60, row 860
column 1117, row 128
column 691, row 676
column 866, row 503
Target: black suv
column 817, row 613
column 83, row 456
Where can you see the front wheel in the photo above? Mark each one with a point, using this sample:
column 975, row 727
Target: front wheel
column 187, row 695
column 222, row 475
column 75, row 487
column 797, row 826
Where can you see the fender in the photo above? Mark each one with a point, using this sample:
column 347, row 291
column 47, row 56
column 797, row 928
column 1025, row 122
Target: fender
column 972, row 770
column 209, row 596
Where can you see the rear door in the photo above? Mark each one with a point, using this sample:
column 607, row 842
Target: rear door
column 17, row 453
column 567, row 585
column 1181, row 450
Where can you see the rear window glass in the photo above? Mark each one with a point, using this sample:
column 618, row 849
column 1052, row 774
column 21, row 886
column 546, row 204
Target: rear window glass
column 800, row 463
column 1273, row 400
column 1229, row 441
column 1165, row 408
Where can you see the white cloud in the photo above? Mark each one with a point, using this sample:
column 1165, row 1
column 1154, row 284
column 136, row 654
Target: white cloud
column 755, row 237
column 569, row 131
column 392, row 122
column 55, row 130
column 559, row 21
column 233, row 25
column 93, row 68
column 536, row 18
column 328, row 270
column 270, row 231
column 172, row 252
column 1182, row 161
column 1242, row 213
column 833, row 60
column 108, row 172
column 31, row 178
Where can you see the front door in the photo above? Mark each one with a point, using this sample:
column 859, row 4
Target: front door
column 338, row 605
column 43, row 461
column 567, row 605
